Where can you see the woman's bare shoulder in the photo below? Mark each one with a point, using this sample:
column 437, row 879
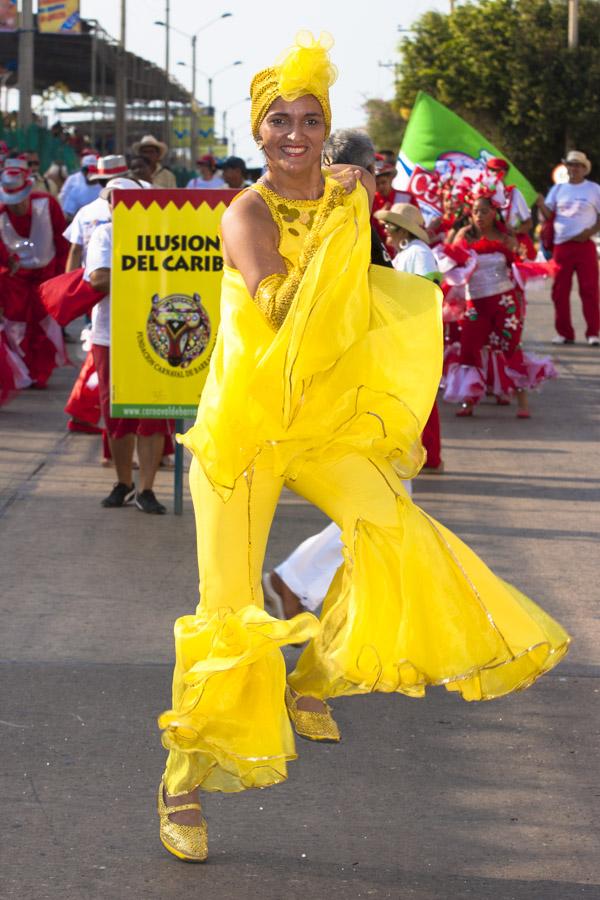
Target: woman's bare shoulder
column 250, row 237
column 248, row 208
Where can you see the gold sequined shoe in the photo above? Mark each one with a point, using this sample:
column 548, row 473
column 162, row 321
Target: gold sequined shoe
column 314, row 726
column 186, row 842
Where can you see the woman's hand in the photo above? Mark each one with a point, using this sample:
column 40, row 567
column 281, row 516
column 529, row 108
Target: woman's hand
column 349, row 176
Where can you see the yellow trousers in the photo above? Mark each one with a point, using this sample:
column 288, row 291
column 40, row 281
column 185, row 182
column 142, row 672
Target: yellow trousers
column 232, row 538
column 412, row 606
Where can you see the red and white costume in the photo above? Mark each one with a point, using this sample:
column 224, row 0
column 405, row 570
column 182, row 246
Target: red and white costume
column 491, row 357
column 34, row 241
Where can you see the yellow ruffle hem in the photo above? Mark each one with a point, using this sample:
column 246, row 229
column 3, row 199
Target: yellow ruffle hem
column 229, row 709
column 415, row 607
column 332, row 404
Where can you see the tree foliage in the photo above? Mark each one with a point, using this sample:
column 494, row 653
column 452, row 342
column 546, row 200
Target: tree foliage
column 384, row 124
column 504, row 66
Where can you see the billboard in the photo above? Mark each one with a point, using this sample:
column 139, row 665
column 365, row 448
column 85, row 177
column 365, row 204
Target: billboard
column 59, row 17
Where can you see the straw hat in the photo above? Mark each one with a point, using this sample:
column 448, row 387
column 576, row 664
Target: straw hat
column 407, row 216
column 15, row 182
column 577, row 156
column 110, row 167
column 150, row 141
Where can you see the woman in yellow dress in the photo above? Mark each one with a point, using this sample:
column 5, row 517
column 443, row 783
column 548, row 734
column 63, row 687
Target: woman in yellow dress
column 323, row 376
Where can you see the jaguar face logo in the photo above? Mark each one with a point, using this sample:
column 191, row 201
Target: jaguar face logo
column 178, row 328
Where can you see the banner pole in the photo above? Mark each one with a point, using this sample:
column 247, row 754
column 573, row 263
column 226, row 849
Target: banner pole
column 178, row 483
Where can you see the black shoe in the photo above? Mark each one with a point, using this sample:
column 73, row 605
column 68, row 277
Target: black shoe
column 119, row 496
column 147, row 502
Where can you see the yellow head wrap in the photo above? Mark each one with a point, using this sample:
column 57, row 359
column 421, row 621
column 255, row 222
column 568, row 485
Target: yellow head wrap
column 303, row 69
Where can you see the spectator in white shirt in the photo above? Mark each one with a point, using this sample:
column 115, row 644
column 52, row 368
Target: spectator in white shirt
column 405, row 229
column 207, row 177
column 575, row 210
column 149, row 434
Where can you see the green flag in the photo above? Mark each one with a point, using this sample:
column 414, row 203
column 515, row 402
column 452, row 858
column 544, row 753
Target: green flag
column 435, row 133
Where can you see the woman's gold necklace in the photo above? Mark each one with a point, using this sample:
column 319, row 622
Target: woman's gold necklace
column 269, row 184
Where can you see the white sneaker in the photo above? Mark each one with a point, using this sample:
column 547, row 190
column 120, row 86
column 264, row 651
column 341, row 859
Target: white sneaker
column 593, row 341
column 559, row 339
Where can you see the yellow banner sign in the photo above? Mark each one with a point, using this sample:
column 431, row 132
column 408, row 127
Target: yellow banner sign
column 165, row 292
column 59, row 17
column 205, row 134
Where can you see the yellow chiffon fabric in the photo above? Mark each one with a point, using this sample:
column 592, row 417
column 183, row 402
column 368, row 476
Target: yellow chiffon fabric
column 332, row 404
column 355, row 366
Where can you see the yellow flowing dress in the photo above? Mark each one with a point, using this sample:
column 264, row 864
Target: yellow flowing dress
column 333, row 405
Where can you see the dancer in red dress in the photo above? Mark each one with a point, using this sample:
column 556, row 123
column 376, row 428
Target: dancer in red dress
column 32, row 249
column 491, row 356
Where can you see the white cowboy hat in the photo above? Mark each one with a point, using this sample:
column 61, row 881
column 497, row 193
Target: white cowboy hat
column 15, row 182
column 577, row 156
column 150, row 141
column 120, row 184
column 110, row 167
column 407, row 216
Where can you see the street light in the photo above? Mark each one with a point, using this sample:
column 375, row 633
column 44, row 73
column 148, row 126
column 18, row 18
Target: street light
column 225, row 111
column 210, row 79
column 193, row 105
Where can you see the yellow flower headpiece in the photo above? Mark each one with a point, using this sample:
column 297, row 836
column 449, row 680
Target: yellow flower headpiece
column 303, row 69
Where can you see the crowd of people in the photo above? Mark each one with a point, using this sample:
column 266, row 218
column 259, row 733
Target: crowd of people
column 474, row 237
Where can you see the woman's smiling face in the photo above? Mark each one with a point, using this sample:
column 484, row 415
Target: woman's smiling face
column 293, row 133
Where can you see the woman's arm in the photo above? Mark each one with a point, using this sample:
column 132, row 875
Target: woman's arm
column 250, row 244
column 251, row 239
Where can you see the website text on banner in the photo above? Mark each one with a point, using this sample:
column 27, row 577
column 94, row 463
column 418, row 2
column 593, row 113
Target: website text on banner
column 165, row 291
column 437, row 140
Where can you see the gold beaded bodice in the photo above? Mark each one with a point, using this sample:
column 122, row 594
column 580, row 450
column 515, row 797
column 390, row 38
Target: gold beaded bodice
column 294, row 219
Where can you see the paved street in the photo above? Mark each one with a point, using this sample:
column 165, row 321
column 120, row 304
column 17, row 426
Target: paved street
column 431, row 800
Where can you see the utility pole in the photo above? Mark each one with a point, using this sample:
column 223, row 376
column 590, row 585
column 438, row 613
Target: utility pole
column 194, row 110
column 211, row 113
column 94, row 78
column 572, row 43
column 167, row 135
column 573, row 32
column 452, row 5
column 121, row 86
column 25, row 64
